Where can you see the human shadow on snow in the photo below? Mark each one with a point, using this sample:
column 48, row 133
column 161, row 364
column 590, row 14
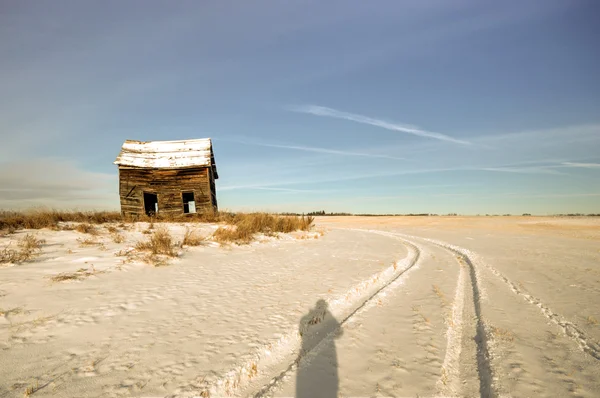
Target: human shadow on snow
column 317, row 372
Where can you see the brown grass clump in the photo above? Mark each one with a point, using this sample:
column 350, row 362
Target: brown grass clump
column 11, row 311
column 117, row 237
column 233, row 235
column 45, row 218
column 31, row 389
column 155, row 260
column 246, row 226
column 191, row 238
column 88, row 242
column 8, row 231
column 30, row 243
column 160, row 242
column 86, row 229
column 438, row 292
column 80, row 274
column 27, row 248
column 112, row 229
column 503, row 334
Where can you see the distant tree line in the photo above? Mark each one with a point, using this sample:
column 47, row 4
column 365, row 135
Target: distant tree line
column 324, row 213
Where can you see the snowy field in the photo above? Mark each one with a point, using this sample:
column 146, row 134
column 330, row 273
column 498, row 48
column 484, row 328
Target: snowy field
column 377, row 306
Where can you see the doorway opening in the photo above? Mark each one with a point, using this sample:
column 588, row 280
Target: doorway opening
column 150, row 203
column 189, row 205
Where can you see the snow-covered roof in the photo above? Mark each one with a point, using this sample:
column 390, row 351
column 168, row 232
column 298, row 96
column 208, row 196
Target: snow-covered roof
column 167, row 154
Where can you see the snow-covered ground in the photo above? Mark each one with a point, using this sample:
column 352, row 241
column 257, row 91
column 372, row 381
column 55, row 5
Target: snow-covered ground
column 434, row 306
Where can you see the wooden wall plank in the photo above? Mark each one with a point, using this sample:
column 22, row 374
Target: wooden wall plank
column 168, row 184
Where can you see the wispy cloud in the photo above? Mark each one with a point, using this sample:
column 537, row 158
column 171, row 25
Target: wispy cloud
column 332, row 151
column 264, row 188
column 316, row 149
column 545, row 137
column 522, row 170
column 354, row 177
column 403, row 128
column 582, row 165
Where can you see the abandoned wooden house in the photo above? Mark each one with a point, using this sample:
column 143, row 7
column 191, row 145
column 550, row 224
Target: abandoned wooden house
column 167, row 177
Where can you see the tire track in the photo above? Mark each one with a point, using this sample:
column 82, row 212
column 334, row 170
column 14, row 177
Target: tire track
column 484, row 368
column 365, row 306
column 233, row 381
column 449, row 383
column 585, row 343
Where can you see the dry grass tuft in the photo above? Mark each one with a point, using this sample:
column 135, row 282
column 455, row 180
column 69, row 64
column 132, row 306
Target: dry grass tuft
column 438, row 292
column 45, row 218
column 246, row 226
column 155, row 260
column 232, row 235
column 88, row 242
column 420, row 316
column 11, row 311
column 30, row 243
column 8, row 230
column 27, row 248
column 192, row 238
column 117, row 237
column 160, row 242
column 503, row 334
column 80, row 274
column 31, row 389
column 112, row 229
column 253, row 370
column 86, row 229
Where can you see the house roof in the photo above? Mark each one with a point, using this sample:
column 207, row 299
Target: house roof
column 167, row 154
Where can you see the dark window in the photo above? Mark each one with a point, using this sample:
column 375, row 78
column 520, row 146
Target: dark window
column 150, row 203
column 189, row 205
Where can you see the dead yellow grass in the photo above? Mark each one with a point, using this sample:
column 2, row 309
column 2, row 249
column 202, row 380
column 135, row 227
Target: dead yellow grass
column 86, row 229
column 438, row 292
column 246, row 226
column 117, row 237
column 160, row 242
column 80, row 274
column 31, row 389
column 88, row 242
column 112, row 229
column 192, row 238
column 11, row 311
column 27, row 248
column 503, row 334
column 44, row 218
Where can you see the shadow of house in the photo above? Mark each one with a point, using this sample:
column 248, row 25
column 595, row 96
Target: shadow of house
column 167, row 177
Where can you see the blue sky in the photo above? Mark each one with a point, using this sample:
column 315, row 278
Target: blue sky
column 381, row 107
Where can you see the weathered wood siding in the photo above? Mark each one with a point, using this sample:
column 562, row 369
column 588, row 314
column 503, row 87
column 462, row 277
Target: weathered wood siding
column 168, row 185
